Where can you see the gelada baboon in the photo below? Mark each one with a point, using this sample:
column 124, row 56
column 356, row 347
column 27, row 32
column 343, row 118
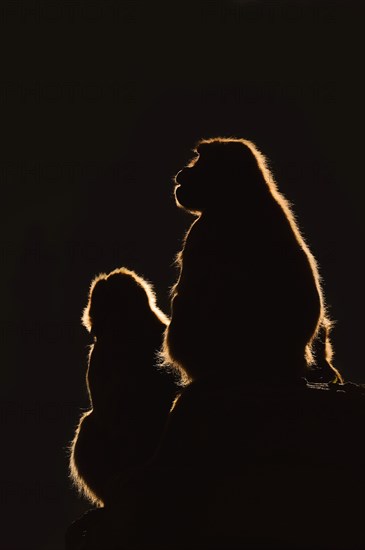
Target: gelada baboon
column 248, row 303
column 130, row 397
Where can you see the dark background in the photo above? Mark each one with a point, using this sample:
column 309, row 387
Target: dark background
column 101, row 103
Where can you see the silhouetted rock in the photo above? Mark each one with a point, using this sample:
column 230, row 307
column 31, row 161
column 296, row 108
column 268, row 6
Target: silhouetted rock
column 248, row 467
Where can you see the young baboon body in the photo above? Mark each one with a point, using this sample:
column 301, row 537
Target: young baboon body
column 130, row 397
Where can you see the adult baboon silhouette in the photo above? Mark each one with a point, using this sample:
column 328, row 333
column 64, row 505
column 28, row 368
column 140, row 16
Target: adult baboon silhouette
column 248, row 302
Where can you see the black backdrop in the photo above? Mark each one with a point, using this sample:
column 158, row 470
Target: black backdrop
column 101, row 103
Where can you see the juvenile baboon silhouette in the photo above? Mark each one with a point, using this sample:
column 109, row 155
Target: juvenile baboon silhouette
column 130, row 397
column 248, row 303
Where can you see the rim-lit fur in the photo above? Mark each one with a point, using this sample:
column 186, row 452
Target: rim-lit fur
column 249, row 299
column 129, row 396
